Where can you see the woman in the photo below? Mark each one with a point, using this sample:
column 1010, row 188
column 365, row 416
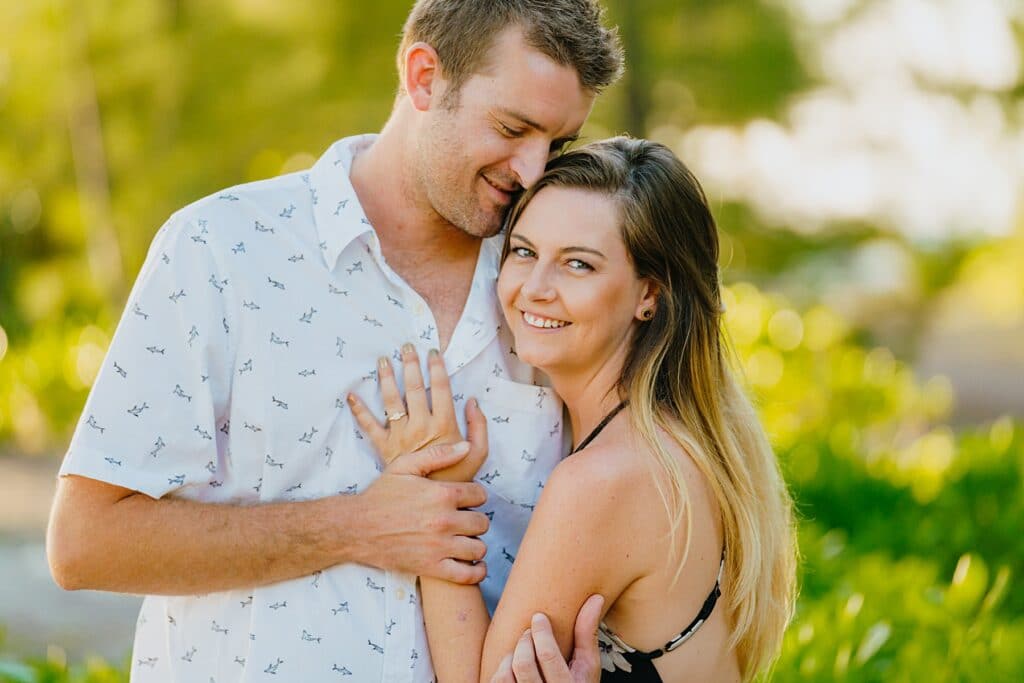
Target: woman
column 671, row 505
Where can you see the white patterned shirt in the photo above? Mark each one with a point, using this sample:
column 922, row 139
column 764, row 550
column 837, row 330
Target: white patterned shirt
column 256, row 311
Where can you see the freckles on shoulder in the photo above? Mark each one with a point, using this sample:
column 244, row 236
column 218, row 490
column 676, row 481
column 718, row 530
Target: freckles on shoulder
column 599, row 480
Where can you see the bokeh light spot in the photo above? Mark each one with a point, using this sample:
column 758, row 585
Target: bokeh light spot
column 1000, row 434
column 822, row 328
column 873, row 641
column 765, row 367
column 786, row 330
column 298, row 162
column 745, row 314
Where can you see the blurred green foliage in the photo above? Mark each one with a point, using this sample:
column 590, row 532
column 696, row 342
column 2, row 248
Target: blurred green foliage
column 114, row 113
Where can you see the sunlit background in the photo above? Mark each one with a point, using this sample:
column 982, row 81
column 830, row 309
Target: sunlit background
column 864, row 158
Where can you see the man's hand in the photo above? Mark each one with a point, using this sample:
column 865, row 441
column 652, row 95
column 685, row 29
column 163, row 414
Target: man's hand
column 107, row 537
column 419, row 526
column 537, row 658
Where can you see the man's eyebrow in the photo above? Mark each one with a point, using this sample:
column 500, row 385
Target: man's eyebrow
column 563, row 250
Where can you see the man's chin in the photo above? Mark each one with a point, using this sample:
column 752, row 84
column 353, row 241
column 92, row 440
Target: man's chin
column 485, row 225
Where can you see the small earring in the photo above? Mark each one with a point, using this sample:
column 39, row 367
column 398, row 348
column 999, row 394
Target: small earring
column 647, row 314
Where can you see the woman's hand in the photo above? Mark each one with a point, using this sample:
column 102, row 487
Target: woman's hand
column 412, row 424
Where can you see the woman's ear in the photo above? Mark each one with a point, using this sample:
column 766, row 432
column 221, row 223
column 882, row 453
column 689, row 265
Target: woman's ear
column 648, row 305
column 422, row 75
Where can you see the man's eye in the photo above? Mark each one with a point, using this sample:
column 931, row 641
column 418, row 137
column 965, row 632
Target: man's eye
column 577, row 264
column 509, row 132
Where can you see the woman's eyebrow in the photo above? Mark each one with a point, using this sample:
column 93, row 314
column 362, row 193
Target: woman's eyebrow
column 563, row 250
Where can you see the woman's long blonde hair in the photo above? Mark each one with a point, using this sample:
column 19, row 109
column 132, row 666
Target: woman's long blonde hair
column 678, row 379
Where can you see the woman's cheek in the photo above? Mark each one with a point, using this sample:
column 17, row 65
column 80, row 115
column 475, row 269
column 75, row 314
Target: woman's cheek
column 505, row 287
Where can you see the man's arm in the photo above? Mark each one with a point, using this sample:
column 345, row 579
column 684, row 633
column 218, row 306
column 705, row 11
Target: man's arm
column 106, row 537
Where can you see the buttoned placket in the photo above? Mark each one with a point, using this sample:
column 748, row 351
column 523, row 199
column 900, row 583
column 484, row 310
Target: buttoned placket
column 399, row 588
column 475, row 329
column 471, row 336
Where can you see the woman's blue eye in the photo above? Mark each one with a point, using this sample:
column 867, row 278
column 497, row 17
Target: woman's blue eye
column 522, row 252
column 577, row 264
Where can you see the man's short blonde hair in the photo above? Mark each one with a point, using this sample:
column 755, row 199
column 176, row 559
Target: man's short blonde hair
column 570, row 32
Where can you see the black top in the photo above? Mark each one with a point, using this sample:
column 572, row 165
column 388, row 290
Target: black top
column 621, row 662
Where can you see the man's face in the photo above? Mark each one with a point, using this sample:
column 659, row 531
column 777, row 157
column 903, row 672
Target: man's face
column 496, row 138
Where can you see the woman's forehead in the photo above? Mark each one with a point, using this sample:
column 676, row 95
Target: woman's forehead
column 557, row 213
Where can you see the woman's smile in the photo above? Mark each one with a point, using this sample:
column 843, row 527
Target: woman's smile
column 544, row 323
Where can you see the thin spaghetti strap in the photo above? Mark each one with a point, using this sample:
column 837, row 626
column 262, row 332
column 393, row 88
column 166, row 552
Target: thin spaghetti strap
column 601, row 425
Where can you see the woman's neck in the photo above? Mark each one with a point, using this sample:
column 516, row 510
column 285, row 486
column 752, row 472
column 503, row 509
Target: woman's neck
column 588, row 397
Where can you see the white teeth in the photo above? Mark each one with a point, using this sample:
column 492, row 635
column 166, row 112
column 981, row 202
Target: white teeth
column 547, row 323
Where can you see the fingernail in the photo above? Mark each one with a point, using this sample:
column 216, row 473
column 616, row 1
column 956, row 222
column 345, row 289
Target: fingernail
column 461, row 448
column 382, row 363
column 351, row 399
column 433, row 353
column 536, row 620
column 407, row 349
column 526, row 634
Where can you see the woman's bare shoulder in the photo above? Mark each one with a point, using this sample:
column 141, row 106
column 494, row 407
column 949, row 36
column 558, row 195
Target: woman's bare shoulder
column 606, row 481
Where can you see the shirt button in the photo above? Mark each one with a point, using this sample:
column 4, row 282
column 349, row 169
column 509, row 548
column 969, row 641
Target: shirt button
column 400, row 594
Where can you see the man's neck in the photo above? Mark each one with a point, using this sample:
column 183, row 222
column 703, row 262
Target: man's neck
column 433, row 257
column 405, row 222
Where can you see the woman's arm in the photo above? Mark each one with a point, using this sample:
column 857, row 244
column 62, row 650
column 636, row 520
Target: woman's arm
column 570, row 549
column 578, row 543
column 457, row 622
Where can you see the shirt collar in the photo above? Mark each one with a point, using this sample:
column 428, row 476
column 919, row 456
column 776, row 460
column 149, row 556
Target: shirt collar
column 337, row 213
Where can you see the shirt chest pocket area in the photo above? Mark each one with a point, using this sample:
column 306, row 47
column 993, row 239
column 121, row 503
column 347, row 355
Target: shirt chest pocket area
column 524, row 433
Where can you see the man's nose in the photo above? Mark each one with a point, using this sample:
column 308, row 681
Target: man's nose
column 529, row 162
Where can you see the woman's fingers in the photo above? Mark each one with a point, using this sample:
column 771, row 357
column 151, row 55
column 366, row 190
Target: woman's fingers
column 368, row 423
column 415, row 392
column 394, row 406
column 440, row 389
column 476, row 432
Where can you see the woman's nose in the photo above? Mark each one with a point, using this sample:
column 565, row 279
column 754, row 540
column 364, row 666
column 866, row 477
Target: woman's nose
column 538, row 285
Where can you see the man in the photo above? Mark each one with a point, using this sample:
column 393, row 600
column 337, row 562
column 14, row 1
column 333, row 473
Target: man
column 216, row 467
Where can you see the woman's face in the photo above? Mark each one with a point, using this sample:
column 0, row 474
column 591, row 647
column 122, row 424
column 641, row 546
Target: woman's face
column 568, row 288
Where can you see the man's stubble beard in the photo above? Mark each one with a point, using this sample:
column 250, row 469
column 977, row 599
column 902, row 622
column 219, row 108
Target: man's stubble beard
column 437, row 174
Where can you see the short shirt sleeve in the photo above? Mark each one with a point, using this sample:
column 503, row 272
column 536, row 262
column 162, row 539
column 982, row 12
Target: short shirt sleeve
column 152, row 419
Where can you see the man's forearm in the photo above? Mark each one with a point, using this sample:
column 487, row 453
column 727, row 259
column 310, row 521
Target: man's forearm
column 106, row 537
column 176, row 547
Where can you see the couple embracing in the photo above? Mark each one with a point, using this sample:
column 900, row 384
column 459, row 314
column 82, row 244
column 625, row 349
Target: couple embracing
column 453, row 404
